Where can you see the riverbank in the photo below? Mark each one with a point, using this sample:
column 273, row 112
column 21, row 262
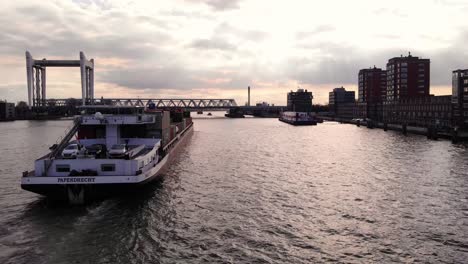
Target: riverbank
column 430, row 132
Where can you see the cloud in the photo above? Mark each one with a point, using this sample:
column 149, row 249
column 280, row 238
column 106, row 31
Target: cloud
column 226, row 30
column 152, row 78
column 318, row 30
column 226, row 37
column 340, row 63
column 187, row 14
column 175, row 78
column 444, row 61
column 451, row 3
column 219, row 5
column 63, row 36
column 185, row 45
column 392, row 12
column 213, row 44
column 102, row 4
column 387, row 36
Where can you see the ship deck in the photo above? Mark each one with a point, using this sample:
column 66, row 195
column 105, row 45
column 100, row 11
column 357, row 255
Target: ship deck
column 143, row 152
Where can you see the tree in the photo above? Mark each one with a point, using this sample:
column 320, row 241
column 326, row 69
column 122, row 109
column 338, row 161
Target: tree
column 72, row 102
column 21, row 104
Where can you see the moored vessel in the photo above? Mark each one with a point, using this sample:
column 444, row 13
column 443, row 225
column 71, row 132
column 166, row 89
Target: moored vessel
column 298, row 118
column 299, row 109
column 109, row 150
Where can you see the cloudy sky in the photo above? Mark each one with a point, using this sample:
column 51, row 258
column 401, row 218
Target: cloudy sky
column 216, row 48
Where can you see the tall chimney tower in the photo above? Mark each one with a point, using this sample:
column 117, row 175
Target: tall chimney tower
column 248, row 92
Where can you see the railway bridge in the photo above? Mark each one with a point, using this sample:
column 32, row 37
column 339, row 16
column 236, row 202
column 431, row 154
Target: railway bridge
column 70, row 106
column 39, row 103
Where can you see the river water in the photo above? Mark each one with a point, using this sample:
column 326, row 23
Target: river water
column 252, row 191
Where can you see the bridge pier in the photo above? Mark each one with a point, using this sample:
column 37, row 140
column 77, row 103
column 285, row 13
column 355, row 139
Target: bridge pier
column 455, row 135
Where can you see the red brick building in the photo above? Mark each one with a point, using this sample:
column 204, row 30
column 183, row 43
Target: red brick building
column 460, row 98
column 420, row 111
column 372, row 85
column 407, row 77
column 372, row 92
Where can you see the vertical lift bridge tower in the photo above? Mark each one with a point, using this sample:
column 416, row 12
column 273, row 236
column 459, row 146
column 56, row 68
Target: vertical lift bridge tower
column 36, row 76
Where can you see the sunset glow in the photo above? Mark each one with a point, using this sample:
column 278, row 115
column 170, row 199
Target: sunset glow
column 217, row 48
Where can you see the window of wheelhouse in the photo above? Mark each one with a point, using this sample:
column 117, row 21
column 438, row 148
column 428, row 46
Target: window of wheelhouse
column 92, row 131
column 133, row 131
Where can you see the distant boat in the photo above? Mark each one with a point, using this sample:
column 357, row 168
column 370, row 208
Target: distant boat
column 199, row 112
column 298, row 118
column 209, row 114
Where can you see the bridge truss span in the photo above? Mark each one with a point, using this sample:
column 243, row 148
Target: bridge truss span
column 178, row 103
column 143, row 102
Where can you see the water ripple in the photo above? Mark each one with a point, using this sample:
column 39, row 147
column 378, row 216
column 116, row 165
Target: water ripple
column 254, row 191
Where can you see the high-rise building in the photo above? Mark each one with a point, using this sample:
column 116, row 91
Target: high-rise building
column 372, row 85
column 300, row 101
column 340, row 95
column 7, row 110
column 407, row 77
column 460, row 98
column 342, row 102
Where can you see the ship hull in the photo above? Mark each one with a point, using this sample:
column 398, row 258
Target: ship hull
column 298, row 118
column 299, row 122
column 84, row 189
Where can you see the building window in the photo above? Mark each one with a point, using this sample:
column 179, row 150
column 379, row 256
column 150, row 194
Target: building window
column 107, row 167
column 62, row 168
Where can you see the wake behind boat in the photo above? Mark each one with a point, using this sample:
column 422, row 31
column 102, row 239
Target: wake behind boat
column 116, row 149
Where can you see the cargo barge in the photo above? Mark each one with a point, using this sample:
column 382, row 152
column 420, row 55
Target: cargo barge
column 299, row 111
column 108, row 151
column 298, row 118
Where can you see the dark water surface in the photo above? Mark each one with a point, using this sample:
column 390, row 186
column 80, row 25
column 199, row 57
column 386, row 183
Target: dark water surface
column 252, row 191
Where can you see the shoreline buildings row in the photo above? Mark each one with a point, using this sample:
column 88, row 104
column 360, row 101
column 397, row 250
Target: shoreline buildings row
column 7, row 111
column 401, row 94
